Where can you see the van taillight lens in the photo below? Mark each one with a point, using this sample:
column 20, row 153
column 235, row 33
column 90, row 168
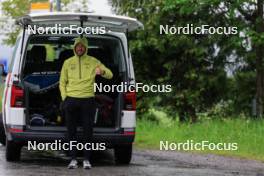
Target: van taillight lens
column 17, row 95
column 130, row 101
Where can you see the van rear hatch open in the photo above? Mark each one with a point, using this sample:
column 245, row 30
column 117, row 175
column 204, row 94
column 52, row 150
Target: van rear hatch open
column 113, row 22
column 58, row 48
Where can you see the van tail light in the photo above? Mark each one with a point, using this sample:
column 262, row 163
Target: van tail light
column 130, row 101
column 17, row 95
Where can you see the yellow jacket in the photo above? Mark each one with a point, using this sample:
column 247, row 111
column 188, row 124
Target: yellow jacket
column 78, row 74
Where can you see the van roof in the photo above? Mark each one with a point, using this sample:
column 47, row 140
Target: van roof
column 112, row 22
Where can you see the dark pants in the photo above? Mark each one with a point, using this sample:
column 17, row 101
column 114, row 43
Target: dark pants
column 83, row 110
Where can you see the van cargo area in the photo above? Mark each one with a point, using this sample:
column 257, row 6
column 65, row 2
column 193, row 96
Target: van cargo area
column 41, row 72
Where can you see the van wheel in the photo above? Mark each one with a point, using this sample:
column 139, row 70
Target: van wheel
column 13, row 151
column 123, row 154
column 2, row 131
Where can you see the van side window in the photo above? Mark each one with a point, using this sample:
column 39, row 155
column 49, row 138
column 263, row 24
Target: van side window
column 11, row 64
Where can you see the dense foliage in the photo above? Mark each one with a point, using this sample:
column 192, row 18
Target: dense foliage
column 205, row 70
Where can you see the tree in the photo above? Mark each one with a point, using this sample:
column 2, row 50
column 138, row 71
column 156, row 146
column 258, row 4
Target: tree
column 258, row 46
column 196, row 64
column 14, row 9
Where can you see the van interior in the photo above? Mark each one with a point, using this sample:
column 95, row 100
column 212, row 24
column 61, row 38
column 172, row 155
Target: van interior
column 43, row 61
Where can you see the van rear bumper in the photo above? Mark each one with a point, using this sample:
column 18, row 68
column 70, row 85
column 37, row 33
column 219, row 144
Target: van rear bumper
column 111, row 139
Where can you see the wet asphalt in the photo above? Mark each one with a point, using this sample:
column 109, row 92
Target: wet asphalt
column 144, row 162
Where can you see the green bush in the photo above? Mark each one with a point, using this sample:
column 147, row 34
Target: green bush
column 158, row 116
column 222, row 109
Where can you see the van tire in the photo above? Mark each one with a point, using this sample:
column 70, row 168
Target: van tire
column 2, row 131
column 13, row 151
column 123, row 154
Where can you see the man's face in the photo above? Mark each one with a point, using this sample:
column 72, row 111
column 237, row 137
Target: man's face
column 80, row 49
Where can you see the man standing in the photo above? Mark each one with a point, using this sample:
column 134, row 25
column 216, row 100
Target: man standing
column 77, row 92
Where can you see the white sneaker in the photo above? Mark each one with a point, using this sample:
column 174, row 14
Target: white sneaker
column 73, row 164
column 86, row 164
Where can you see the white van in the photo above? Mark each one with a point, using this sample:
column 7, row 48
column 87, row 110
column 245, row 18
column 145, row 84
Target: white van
column 31, row 97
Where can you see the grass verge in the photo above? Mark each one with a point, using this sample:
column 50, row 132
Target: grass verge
column 248, row 134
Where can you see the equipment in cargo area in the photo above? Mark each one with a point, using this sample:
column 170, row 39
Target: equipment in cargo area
column 44, row 105
column 41, row 82
column 104, row 106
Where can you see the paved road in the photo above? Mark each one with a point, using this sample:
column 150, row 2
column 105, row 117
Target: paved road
column 145, row 162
